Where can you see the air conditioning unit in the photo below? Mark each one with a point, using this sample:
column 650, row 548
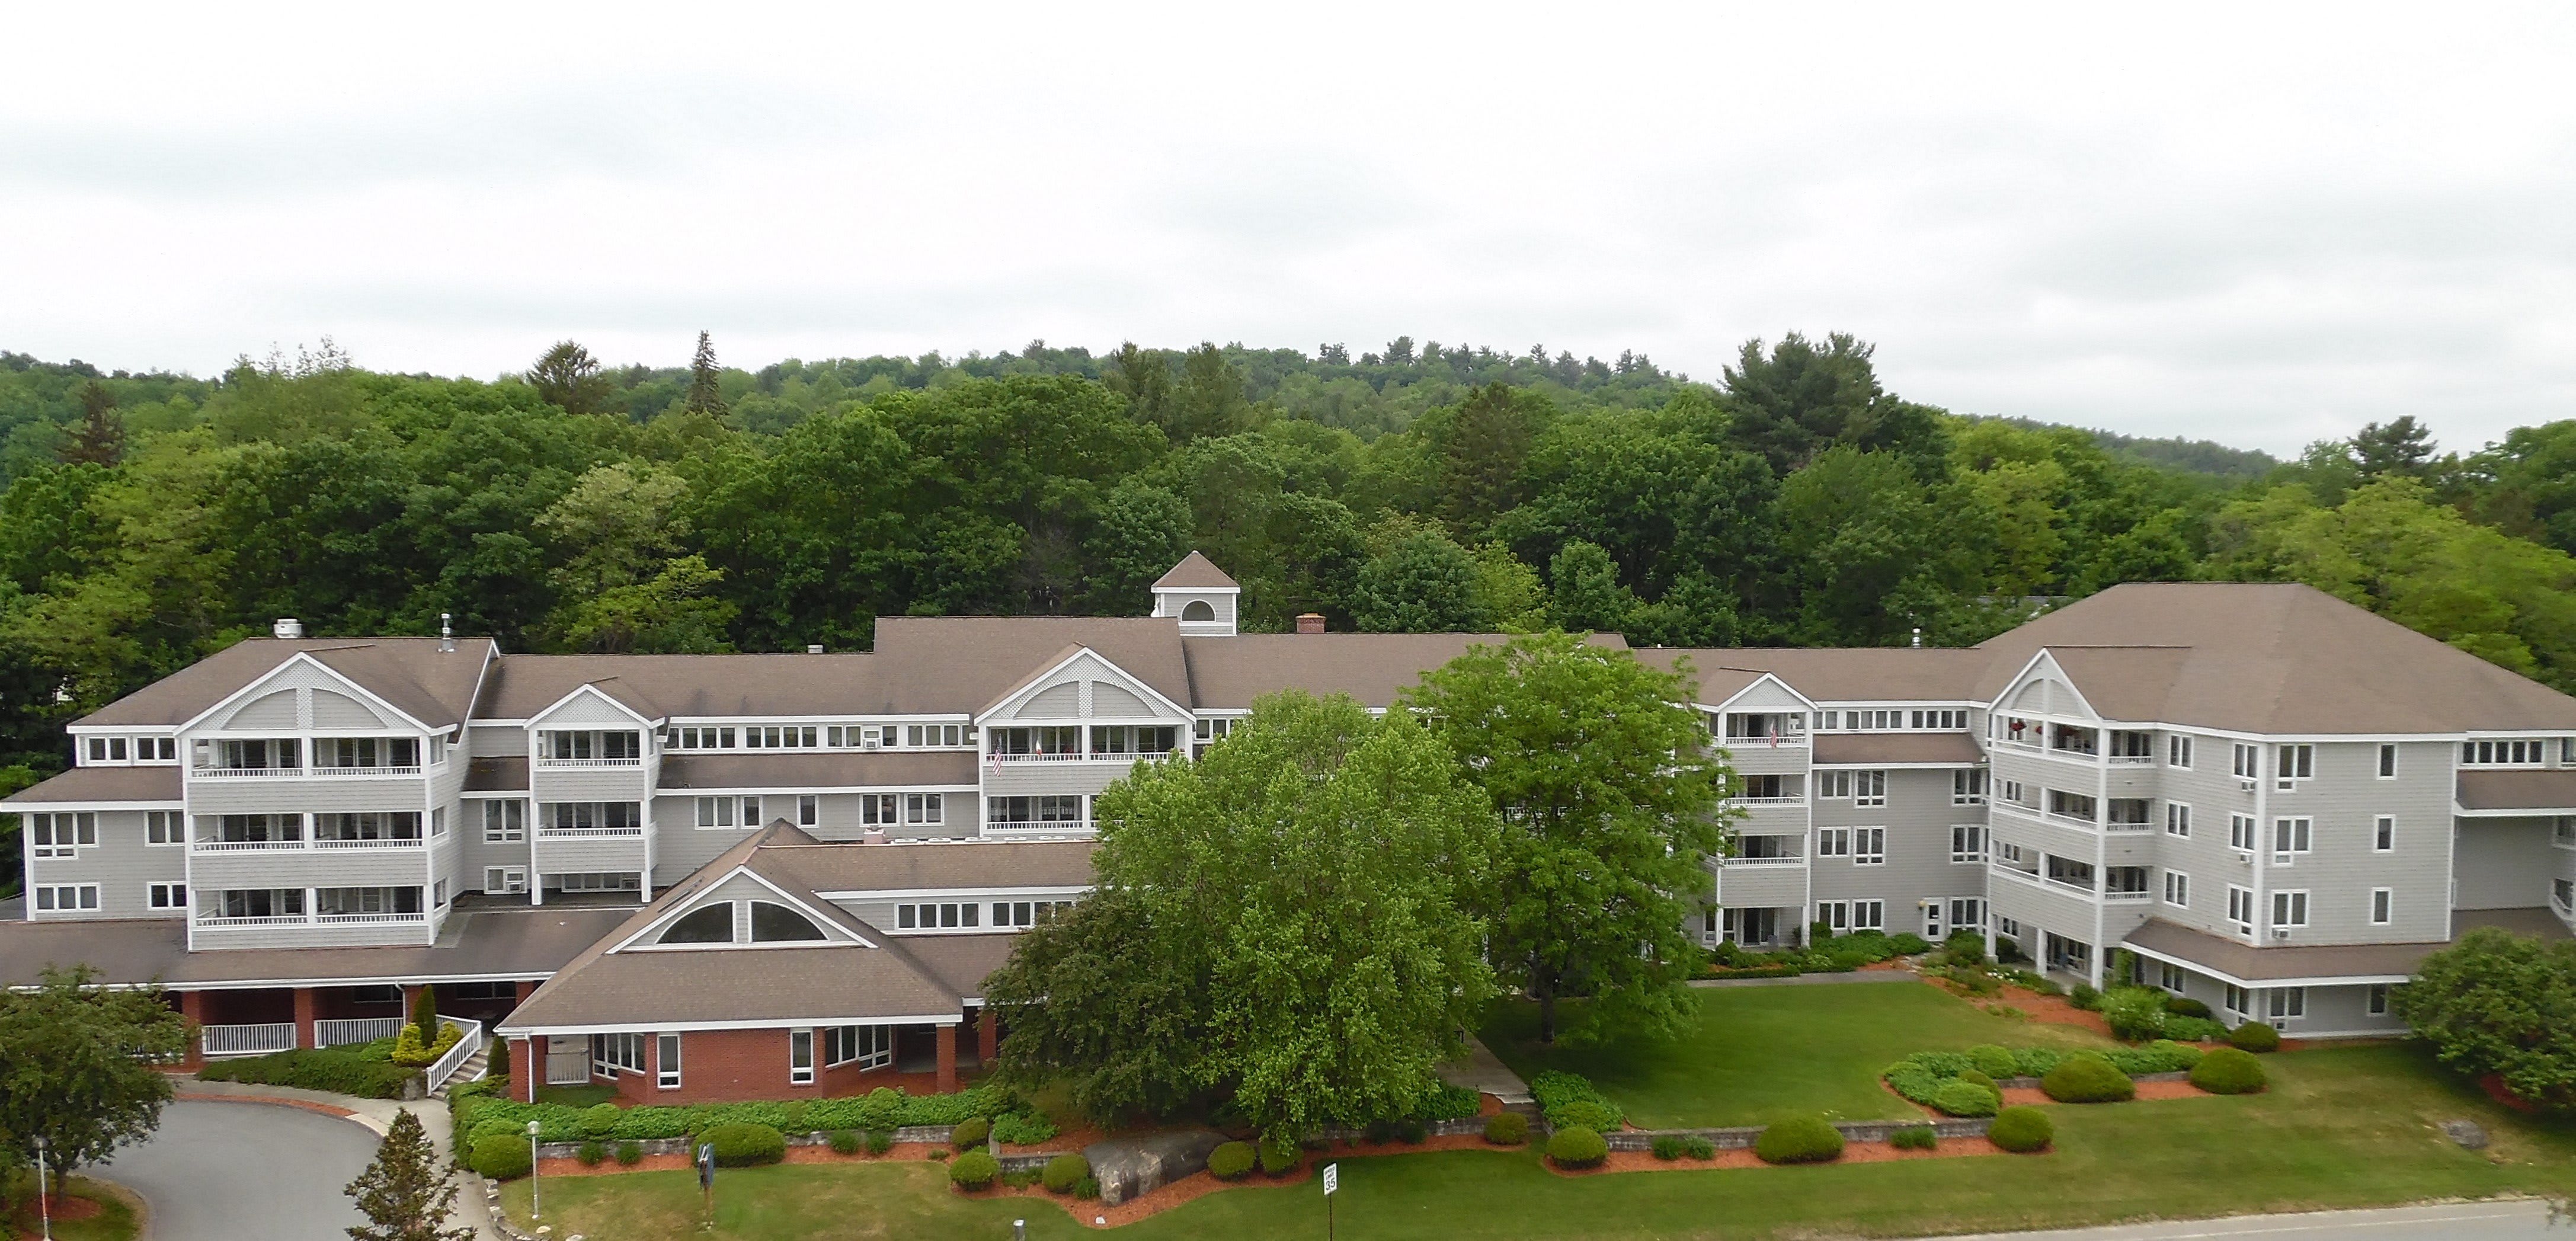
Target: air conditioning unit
column 2245, row 786
column 871, row 743
column 2280, row 932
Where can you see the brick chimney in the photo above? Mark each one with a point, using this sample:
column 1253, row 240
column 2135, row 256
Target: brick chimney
column 1310, row 622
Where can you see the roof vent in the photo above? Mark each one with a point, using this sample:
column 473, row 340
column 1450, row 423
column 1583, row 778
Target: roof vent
column 1918, row 637
column 813, row 648
column 1310, row 622
column 287, row 627
column 446, row 633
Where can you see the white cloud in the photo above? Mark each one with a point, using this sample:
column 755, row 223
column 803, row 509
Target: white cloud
column 2256, row 225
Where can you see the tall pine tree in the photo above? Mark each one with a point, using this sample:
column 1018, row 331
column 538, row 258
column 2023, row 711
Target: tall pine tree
column 704, row 396
column 101, row 438
column 404, row 1194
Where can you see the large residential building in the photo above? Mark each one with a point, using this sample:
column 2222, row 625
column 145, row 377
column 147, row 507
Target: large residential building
column 741, row 876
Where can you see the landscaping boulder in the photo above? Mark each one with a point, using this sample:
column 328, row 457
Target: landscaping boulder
column 1127, row 1167
column 2468, row 1133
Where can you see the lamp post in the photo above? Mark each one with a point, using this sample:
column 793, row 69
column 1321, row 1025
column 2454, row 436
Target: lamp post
column 44, row 1207
column 536, row 1206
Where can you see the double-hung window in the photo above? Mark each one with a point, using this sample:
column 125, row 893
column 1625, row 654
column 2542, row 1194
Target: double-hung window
column 2177, row 819
column 937, row 916
column 1833, row 842
column 2240, row 832
column 722, row 812
column 1869, row 788
column 2295, row 763
column 1869, row 846
column 2177, row 751
column 167, row 896
column 2289, row 909
column 61, row 834
column 164, row 827
column 800, row 1057
column 2284, row 1003
column 880, row 809
column 666, row 1061
column 2387, row 761
column 923, row 808
column 1968, row 842
column 809, row 810
column 2240, row 910
column 505, row 822
column 1834, row 785
column 1968, row 786
column 66, row 897
column 2290, row 838
column 2246, row 761
column 2178, row 889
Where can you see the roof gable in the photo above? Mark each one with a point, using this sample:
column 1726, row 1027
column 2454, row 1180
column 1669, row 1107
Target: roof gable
column 1195, row 572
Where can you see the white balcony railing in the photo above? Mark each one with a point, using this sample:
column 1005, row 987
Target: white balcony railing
column 393, row 842
column 335, row 1031
column 2134, row 760
column 236, row 846
column 2080, row 889
column 1792, row 860
column 242, row 773
column 446, row 1066
column 2116, row 825
column 588, row 833
column 250, row 1040
column 590, row 762
column 2125, row 898
column 364, row 771
column 1048, row 827
column 222, row 923
column 360, row 919
column 1070, row 757
column 1768, row 801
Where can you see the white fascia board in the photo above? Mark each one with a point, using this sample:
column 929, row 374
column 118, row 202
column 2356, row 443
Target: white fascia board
column 757, row 1023
column 781, row 790
column 1773, row 678
column 1038, row 682
column 2334, row 980
column 190, row 725
column 898, row 894
column 592, row 689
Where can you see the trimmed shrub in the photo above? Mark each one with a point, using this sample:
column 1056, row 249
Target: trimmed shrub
column 1979, row 1077
column 2161, row 1056
column 1577, row 1147
column 1993, row 1061
column 1699, row 1148
column 743, row 1145
column 2084, row 997
column 1909, row 944
column 879, row 1141
column 1066, row 1171
column 590, row 1154
column 1507, row 1129
column 2195, row 1030
column 1960, row 1097
column 973, row 1170
column 1411, row 1132
column 970, row 1132
column 629, row 1154
column 1799, row 1139
column 2229, row 1070
column 504, row 1157
column 1279, row 1157
column 1914, row 1138
column 1232, row 1161
column 330, row 1069
column 2135, row 1014
column 1667, row 1148
column 846, row 1142
column 1965, row 945
column 1570, row 1100
column 1087, row 1189
column 2022, row 1130
column 2185, row 1006
column 2254, row 1036
column 2088, row 1078
column 599, row 1120
column 1025, row 1127
column 498, row 1058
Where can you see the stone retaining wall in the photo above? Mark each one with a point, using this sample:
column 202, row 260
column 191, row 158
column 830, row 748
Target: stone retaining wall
column 1741, row 1137
column 936, row 1135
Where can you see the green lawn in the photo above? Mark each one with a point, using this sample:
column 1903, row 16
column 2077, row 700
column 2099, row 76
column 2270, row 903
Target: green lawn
column 1762, row 1053
column 114, row 1222
column 2344, row 1127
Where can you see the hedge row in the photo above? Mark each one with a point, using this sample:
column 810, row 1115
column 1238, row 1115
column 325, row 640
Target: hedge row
column 329, row 1068
column 1571, row 1100
column 1448, row 1102
column 1921, row 1077
column 478, row 1107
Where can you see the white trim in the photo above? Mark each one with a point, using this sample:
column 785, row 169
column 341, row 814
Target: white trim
column 15, row 806
column 683, row 907
column 535, row 721
column 870, row 894
column 189, row 725
column 1756, row 683
column 757, row 1023
column 2323, row 980
column 1040, row 682
column 797, row 790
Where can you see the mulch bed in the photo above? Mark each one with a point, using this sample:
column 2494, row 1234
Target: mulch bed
column 2493, row 1084
column 918, row 1152
column 2036, row 1097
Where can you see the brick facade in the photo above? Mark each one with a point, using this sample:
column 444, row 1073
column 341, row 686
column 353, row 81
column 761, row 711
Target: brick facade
column 734, row 1066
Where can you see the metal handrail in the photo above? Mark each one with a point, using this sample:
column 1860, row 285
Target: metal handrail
column 445, row 1066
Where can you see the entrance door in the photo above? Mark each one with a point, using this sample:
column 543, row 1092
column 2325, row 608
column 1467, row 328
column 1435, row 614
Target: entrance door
column 1932, row 919
column 567, row 1060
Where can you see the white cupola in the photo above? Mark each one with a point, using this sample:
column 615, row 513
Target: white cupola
column 1200, row 595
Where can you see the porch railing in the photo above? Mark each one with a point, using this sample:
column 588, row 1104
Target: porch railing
column 1791, row 860
column 250, row 1040
column 589, row 762
column 446, row 1066
column 335, row 1031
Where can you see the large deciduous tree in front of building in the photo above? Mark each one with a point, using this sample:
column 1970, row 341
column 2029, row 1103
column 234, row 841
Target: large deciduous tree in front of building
column 2500, row 1004
column 1286, row 922
column 1609, row 797
column 75, row 1066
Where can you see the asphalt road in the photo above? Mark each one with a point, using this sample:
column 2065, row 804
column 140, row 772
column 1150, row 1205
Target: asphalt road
column 2465, row 1221
column 246, row 1172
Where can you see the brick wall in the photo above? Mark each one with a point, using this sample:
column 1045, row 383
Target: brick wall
column 733, row 1066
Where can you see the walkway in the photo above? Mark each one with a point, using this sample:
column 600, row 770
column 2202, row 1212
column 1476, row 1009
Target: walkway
column 1485, row 1073
column 2471, row 1221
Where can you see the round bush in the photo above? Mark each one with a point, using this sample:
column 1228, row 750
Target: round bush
column 2229, row 1070
column 879, row 1141
column 1232, row 1161
column 973, row 1170
column 629, row 1154
column 1996, row 1063
column 1667, row 1148
column 972, row 1131
column 590, row 1154
column 1800, row 1139
column 1960, row 1097
column 1699, row 1148
column 2254, row 1036
column 1586, row 1114
column 1979, row 1077
column 1066, row 1171
column 1507, row 1129
column 1411, row 1132
column 1577, row 1147
column 1279, row 1158
column 2022, row 1130
column 599, row 1121
column 2088, row 1078
column 845, row 1141
column 2185, row 1006
column 503, row 1157
column 1914, row 1138
column 743, row 1145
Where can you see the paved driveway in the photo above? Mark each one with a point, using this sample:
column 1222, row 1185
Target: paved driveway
column 246, row 1172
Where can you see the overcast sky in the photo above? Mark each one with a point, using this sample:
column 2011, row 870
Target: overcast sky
column 2256, row 224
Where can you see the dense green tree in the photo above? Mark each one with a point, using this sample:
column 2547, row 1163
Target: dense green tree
column 1584, row 591
column 404, row 1193
column 2403, row 446
column 79, row 1069
column 1286, row 923
column 1421, row 583
column 706, row 381
column 1799, row 399
column 101, row 438
column 568, row 378
column 2502, row 1004
column 1608, row 790
column 1481, row 449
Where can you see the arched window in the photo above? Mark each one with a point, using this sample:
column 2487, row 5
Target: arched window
column 771, row 923
column 1198, row 610
column 711, row 924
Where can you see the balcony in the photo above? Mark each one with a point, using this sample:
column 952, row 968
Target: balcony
column 368, row 919
column 336, row 1031
column 334, row 773
column 2064, row 819
column 588, row 833
column 561, row 763
column 1794, row 859
column 1042, row 827
column 1766, row 801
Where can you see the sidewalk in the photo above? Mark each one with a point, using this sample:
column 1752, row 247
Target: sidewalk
column 1485, row 1073
column 375, row 1114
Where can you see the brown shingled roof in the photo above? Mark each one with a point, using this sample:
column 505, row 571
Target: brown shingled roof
column 1195, row 572
column 434, row 686
column 688, row 685
column 1850, row 749
column 2537, row 791
column 82, row 785
column 934, row 665
column 1228, row 673
column 933, row 865
column 2256, row 965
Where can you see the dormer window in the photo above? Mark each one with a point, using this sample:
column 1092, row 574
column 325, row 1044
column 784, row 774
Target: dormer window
column 1198, row 610
column 582, row 747
column 712, row 924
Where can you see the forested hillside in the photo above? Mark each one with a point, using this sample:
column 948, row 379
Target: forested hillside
column 1792, row 500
